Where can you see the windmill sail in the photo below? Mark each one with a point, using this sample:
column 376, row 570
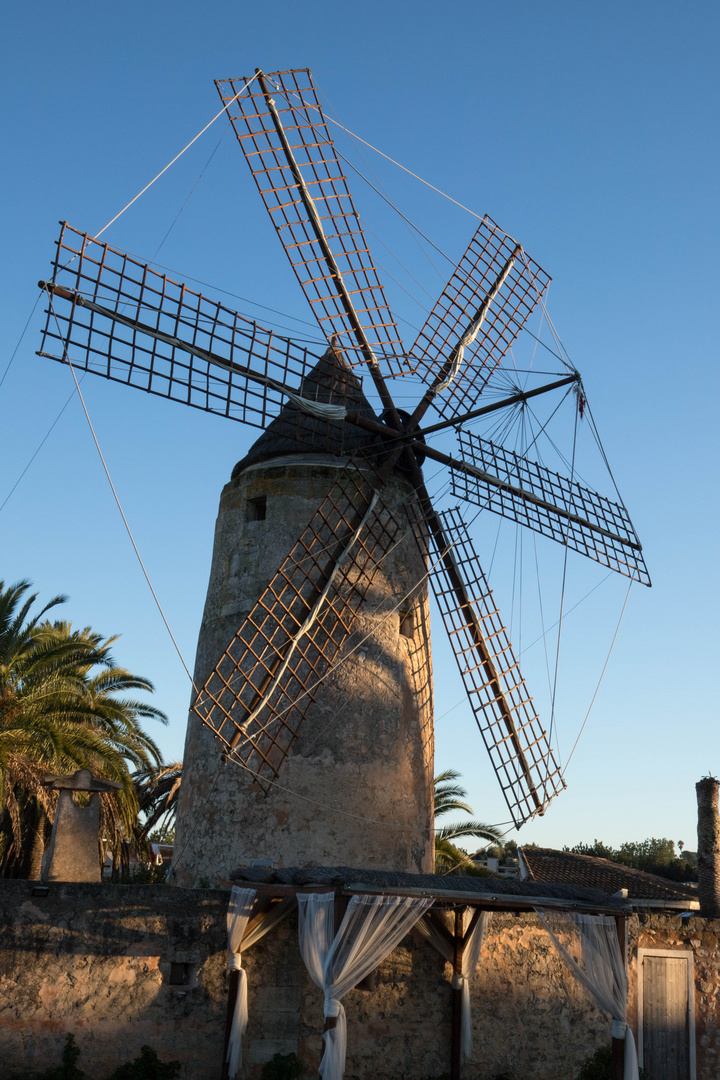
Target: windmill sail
column 284, row 136
column 514, row 737
column 486, row 302
column 136, row 326
column 553, row 505
column 257, row 697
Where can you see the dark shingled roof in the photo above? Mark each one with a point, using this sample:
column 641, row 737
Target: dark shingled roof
column 296, row 432
column 546, row 865
column 387, row 880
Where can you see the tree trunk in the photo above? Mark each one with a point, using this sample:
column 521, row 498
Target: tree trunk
column 36, row 848
column 708, row 847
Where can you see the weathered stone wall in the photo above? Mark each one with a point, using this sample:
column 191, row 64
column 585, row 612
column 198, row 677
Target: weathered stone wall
column 95, row 960
column 366, row 746
column 701, row 937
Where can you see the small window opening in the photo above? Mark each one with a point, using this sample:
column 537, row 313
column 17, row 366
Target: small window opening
column 407, row 623
column 181, row 974
column 257, row 509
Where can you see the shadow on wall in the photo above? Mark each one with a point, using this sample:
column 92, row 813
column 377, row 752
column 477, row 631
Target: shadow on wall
column 123, row 966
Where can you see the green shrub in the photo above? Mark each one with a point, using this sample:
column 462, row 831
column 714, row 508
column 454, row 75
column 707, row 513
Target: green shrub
column 147, row 1067
column 67, row 1069
column 149, row 875
column 282, row 1067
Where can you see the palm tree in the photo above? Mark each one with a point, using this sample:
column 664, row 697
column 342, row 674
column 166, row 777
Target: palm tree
column 57, row 714
column 158, row 791
column 450, row 797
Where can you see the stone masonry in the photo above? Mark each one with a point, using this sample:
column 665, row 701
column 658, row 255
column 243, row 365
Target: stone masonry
column 366, row 746
column 103, row 962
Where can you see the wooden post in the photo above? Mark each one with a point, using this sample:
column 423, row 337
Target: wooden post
column 618, row 1045
column 456, row 1014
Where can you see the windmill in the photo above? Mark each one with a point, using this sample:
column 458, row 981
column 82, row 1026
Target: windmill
column 372, row 519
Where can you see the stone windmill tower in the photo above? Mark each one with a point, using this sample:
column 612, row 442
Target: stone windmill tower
column 310, row 736
column 366, row 745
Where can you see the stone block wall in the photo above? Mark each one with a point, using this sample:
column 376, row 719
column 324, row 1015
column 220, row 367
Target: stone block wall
column 96, row 960
column 701, row 937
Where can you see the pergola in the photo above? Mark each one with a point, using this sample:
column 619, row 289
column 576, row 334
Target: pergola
column 337, row 906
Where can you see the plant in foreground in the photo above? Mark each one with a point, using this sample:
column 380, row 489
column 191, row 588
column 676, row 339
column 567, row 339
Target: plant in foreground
column 63, row 707
column 147, row 1067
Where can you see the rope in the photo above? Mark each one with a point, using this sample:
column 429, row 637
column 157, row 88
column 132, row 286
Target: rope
column 542, row 617
column 189, row 195
column 602, row 676
column 66, row 359
column 162, row 171
column 22, row 335
column 399, row 212
column 394, row 162
column 562, row 596
column 39, row 448
column 570, row 610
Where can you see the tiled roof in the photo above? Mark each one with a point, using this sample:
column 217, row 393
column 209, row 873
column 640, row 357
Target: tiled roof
column 547, row 865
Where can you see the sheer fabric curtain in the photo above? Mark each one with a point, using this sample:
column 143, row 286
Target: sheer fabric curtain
column 238, row 916
column 316, row 927
column 470, row 961
column 370, row 930
column 601, row 970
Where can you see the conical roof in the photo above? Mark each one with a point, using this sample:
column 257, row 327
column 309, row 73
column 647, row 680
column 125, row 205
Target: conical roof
column 294, row 431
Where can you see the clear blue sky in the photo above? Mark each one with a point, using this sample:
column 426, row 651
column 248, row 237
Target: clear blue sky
column 589, row 132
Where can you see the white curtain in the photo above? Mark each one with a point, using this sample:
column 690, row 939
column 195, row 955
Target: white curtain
column 470, row 960
column 370, row 930
column 238, row 916
column 316, row 928
column 601, row 970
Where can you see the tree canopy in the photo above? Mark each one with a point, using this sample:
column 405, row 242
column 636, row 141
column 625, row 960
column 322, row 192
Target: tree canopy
column 64, row 705
column 451, row 797
column 654, row 855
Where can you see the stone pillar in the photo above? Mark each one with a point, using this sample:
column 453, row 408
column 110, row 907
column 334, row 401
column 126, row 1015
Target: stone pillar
column 708, row 847
column 72, row 854
column 357, row 787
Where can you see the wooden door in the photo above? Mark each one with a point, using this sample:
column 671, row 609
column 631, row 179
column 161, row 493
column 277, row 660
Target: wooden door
column 667, row 1033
